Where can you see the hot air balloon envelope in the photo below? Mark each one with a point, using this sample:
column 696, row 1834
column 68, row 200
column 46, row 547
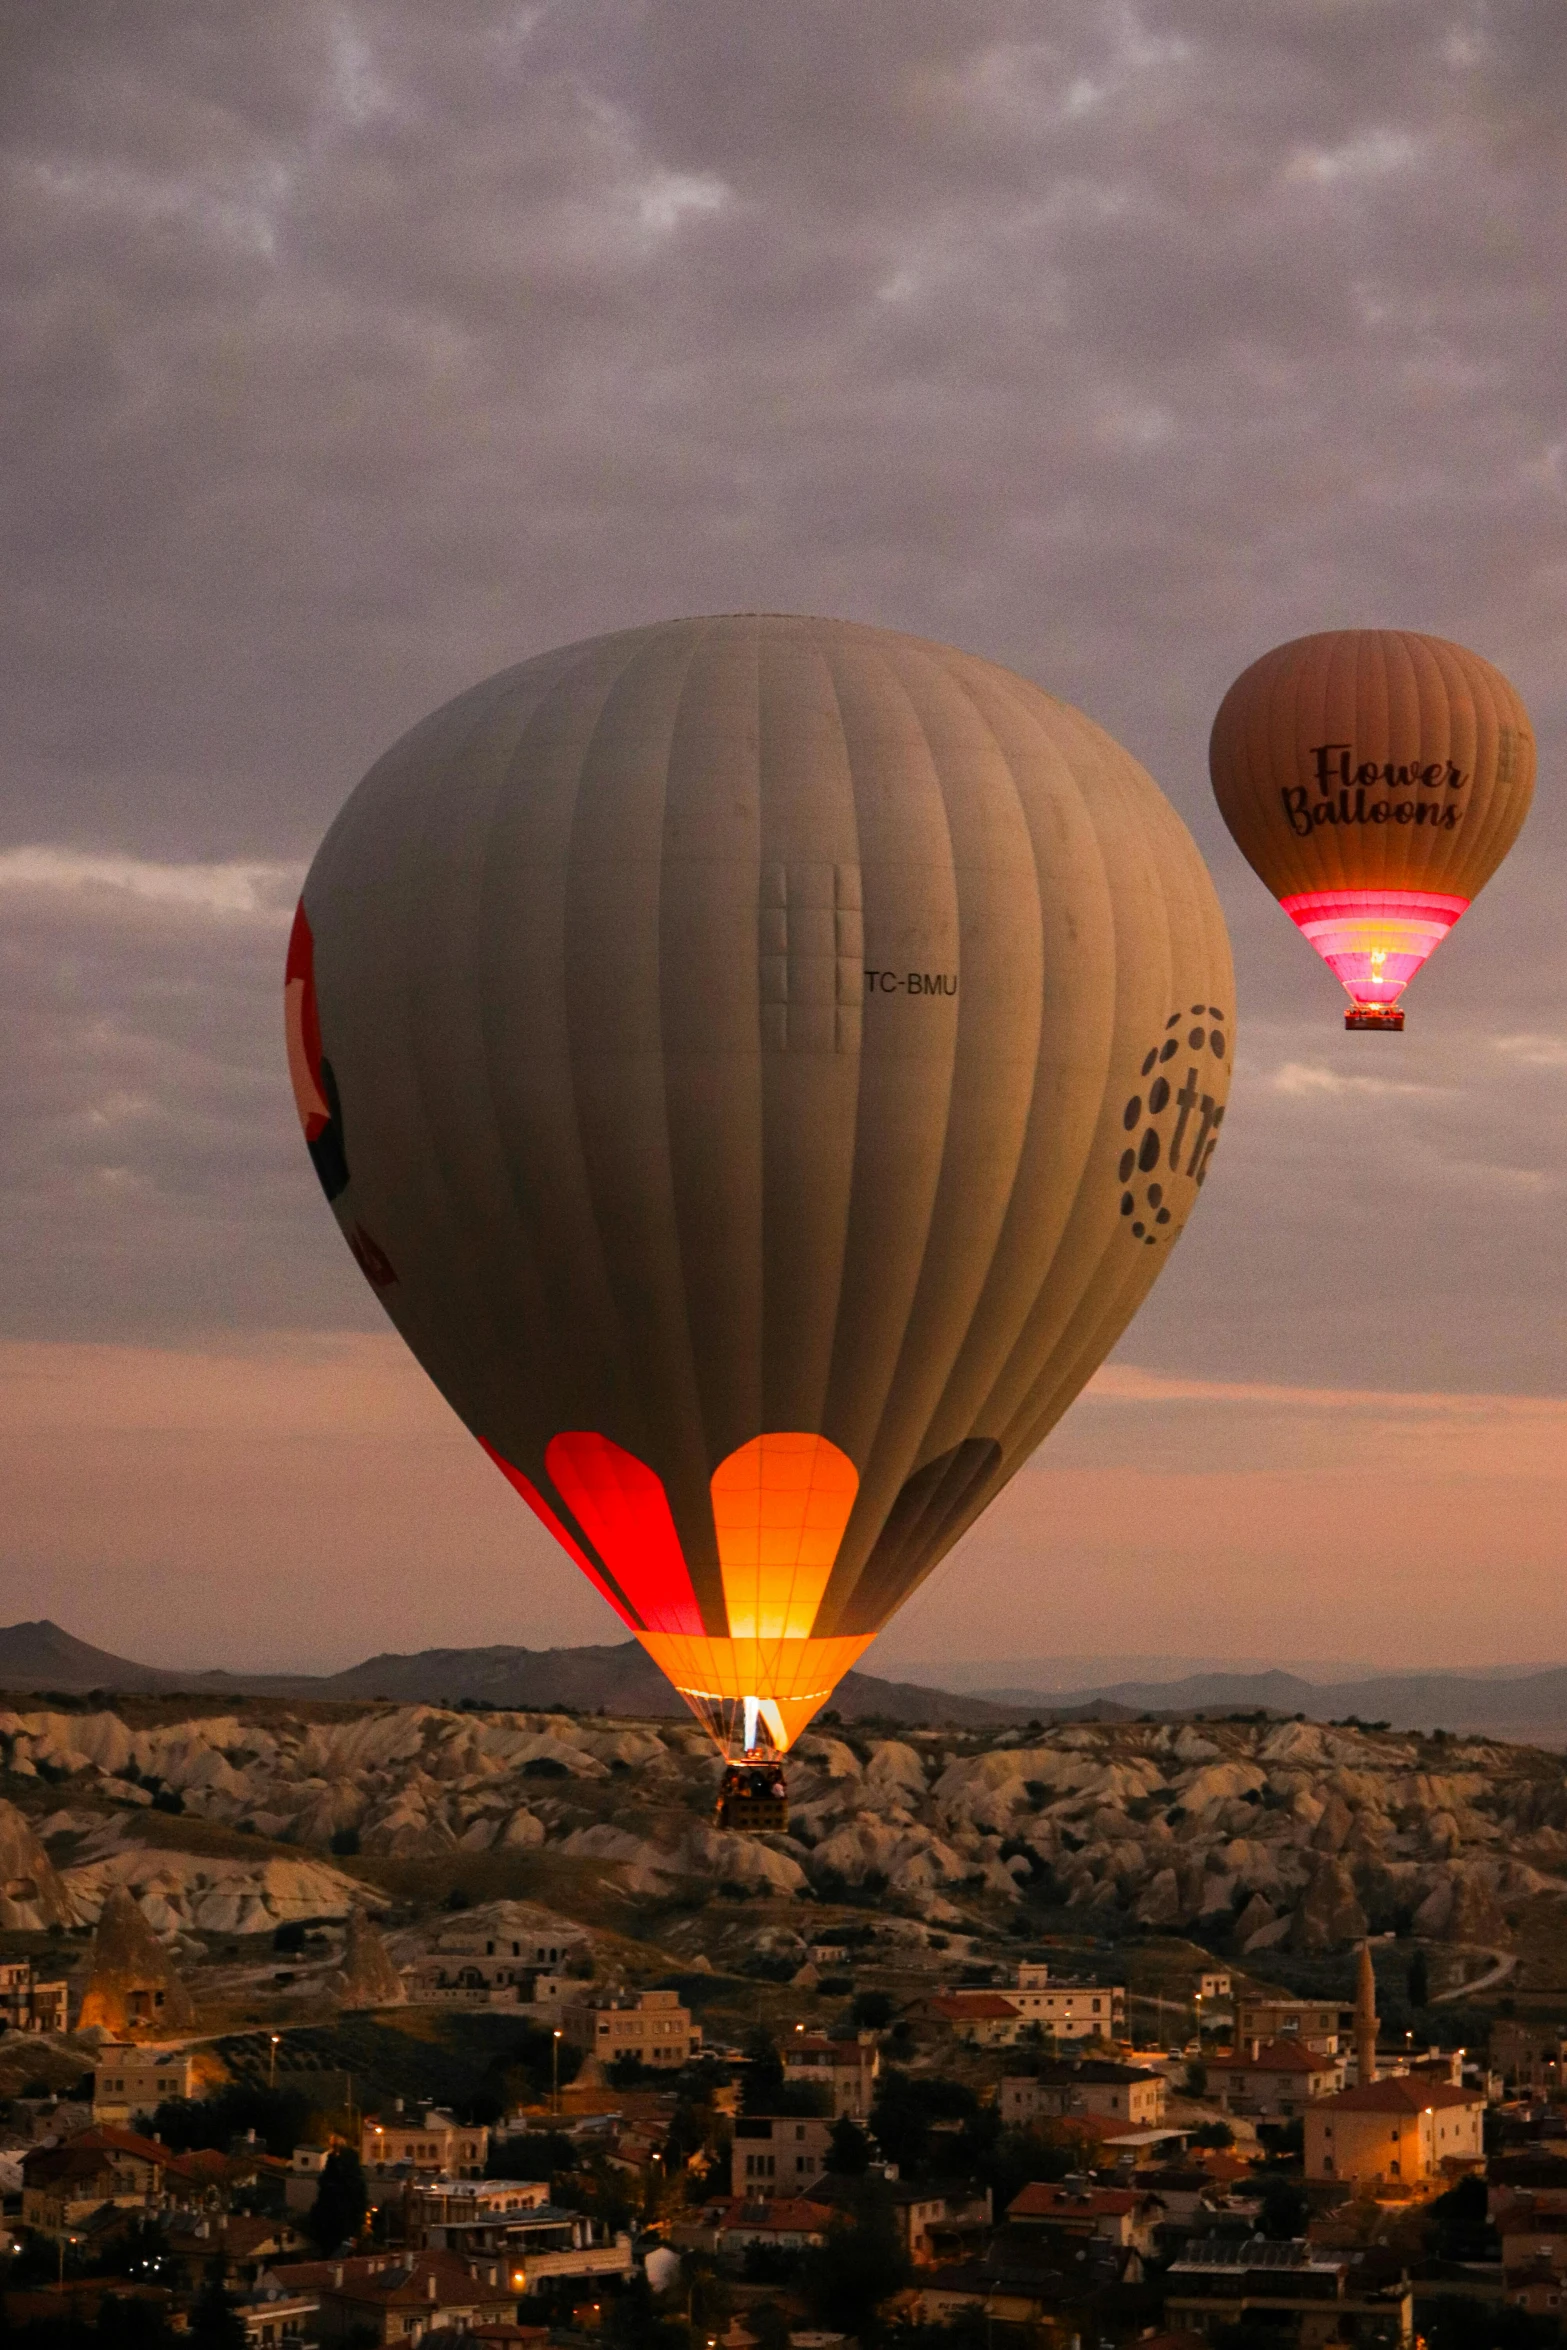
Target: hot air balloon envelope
column 1375, row 780
column 761, row 1065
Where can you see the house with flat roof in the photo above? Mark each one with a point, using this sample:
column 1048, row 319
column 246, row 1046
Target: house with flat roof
column 1059, row 2086
column 1306, row 2292
column 131, row 2079
column 1067, row 2011
column 434, row 2144
column 653, row 2027
column 1322, row 2025
column 778, row 2154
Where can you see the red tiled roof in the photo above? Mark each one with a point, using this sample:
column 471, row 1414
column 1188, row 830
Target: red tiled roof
column 1398, row 2094
column 398, row 2285
column 1047, row 2200
column 49, row 2161
column 237, row 2233
column 316, row 2276
column 780, row 2215
column 1276, row 2056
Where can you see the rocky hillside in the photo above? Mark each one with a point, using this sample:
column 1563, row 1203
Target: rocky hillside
column 1259, row 1836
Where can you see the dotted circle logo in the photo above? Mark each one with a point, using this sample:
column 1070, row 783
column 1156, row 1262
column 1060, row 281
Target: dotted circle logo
column 1173, row 1124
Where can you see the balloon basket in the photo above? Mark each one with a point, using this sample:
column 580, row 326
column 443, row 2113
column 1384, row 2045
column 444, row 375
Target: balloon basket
column 754, row 1796
column 1374, row 1016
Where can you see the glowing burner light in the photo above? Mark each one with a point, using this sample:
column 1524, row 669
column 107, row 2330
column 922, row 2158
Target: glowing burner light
column 1375, row 940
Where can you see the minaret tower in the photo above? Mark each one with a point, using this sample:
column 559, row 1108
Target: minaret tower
column 1365, row 2018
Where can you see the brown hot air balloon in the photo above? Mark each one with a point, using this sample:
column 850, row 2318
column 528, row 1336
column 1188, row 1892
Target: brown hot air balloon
column 1374, row 779
column 762, row 1065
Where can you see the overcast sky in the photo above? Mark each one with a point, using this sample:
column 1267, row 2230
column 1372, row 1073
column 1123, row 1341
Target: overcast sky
column 351, row 352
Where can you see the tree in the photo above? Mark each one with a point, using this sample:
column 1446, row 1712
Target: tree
column 636, row 2323
column 215, row 2324
column 337, row 2215
column 770, row 2326
column 906, row 2106
column 1283, row 2209
column 762, row 2078
column 1020, row 2157
column 849, row 2151
column 1419, row 1981
column 871, row 2011
column 1460, row 2225
column 862, row 2262
column 279, row 2117
column 1214, row 2134
column 129, row 2324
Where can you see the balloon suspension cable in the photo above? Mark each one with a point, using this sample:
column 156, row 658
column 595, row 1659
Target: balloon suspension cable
column 738, row 1726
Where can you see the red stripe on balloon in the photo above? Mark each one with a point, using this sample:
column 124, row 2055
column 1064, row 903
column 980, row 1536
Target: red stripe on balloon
column 623, row 1509
column 568, row 1542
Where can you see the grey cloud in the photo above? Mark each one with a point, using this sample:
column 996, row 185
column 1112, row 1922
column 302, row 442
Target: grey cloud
column 152, row 1181
column 356, row 352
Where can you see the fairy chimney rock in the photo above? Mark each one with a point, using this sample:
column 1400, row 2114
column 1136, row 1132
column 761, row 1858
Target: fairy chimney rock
column 367, row 1977
column 134, row 1992
column 31, row 1894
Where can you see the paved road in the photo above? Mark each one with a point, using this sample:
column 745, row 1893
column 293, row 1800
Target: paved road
column 1502, row 1964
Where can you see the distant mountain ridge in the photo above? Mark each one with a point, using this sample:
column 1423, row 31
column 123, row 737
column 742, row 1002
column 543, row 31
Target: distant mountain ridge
column 42, row 1656
column 37, row 1657
column 1527, row 1704
column 622, row 1679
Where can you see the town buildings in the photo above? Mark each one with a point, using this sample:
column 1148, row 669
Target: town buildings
column 777, row 2154
column 1301, row 2292
column 1401, row 2131
column 985, row 2019
column 64, row 2185
column 653, row 2027
column 131, row 2079
column 846, row 2070
column 1031, row 2008
column 1058, row 2086
column 517, row 1968
column 397, row 2297
column 1273, row 2080
column 1534, row 2260
column 510, row 2225
column 1067, row 2011
column 444, row 1980
column 436, row 2145
column 1322, row 2025
column 1080, row 2208
column 28, row 2002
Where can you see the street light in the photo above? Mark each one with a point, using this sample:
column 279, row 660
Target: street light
column 272, row 2062
column 555, row 2074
